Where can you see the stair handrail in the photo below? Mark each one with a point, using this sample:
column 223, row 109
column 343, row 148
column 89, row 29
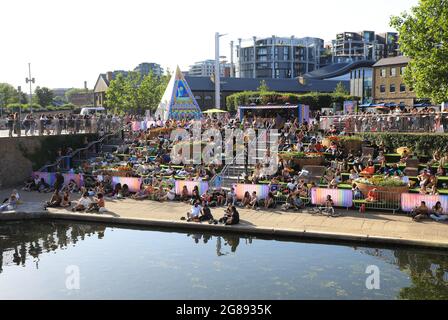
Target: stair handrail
column 224, row 172
column 89, row 145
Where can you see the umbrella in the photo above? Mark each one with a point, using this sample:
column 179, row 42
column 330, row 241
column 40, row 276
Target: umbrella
column 215, row 111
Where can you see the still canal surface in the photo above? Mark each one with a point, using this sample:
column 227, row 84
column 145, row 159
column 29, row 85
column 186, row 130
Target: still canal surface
column 58, row 260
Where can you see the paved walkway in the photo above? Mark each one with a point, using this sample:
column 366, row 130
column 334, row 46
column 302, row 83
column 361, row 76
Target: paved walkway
column 370, row 227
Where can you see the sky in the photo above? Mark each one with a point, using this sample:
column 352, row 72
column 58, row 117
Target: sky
column 68, row 42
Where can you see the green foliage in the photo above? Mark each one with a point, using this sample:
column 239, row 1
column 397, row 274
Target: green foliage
column 8, row 94
column 44, row 96
column 69, row 93
column 135, row 93
column 14, row 107
column 315, row 100
column 382, row 181
column 60, row 99
column 340, row 89
column 263, row 86
column 423, row 144
column 423, row 38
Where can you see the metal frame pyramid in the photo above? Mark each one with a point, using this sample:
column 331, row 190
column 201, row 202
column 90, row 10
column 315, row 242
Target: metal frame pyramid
column 178, row 101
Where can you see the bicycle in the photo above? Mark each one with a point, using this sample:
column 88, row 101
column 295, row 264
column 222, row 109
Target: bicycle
column 325, row 211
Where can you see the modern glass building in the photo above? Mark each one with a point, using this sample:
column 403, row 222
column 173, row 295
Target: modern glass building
column 361, row 80
column 145, row 68
column 364, row 45
column 278, row 57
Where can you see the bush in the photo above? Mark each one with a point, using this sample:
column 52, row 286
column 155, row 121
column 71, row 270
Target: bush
column 315, row 100
column 67, row 106
column 15, row 107
column 423, row 144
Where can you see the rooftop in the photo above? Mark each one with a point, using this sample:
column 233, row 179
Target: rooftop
column 249, row 84
column 392, row 61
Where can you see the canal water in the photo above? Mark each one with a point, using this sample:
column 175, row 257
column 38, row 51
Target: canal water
column 59, row 260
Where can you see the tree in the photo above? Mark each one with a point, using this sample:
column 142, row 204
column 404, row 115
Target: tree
column 8, row 94
column 340, row 89
column 135, row 93
column 44, row 96
column 263, row 87
column 423, row 38
column 69, row 93
column 115, row 94
column 148, row 94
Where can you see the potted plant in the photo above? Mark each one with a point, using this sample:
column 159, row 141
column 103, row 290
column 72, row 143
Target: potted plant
column 389, row 186
column 301, row 159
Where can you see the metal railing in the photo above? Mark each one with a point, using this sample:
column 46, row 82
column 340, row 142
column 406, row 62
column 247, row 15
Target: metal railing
column 64, row 160
column 381, row 200
column 409, row 122
column 61, row 126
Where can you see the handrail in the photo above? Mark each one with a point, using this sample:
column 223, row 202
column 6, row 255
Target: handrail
column 385, row 115
column 225, row 169
column 92, row 143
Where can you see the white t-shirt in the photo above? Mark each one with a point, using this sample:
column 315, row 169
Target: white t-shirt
column 85, row 201
column 171, row 194
column 195, row 211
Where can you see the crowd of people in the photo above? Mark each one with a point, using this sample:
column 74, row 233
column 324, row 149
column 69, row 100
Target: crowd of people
column 58, row 123
column 149, row 157
column 425, row 119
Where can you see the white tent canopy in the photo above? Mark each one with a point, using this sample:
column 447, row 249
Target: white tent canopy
column 178, row 101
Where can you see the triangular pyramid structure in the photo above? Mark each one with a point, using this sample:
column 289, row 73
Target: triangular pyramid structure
column 178, row 101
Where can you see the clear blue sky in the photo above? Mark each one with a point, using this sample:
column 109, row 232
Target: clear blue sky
column 69, row 42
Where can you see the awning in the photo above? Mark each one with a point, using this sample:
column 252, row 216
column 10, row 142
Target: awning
column 214, row 111
column 422, row 104
column 268, row 107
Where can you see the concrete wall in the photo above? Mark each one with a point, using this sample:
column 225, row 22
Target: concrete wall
column 20, row 156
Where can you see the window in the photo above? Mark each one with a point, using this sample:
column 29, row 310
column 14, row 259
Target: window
column 392, row 88
column 402, row 88
column 402, row 69
column 382, row 88
column 383, row 73
column 393, row 72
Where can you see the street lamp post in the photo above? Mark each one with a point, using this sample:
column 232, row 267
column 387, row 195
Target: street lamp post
column 217, row 72
column 30, row 80
column 19, row 91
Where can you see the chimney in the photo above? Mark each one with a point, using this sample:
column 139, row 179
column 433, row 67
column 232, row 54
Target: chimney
column 109, row 76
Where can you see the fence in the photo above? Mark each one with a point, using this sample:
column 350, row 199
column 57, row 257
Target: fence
column 390, row 201
column 262, row 190
column 410, row 200
column 340, row 197
column 421, row 122
column 381, row 200
column 63, row 126
column 202, row 186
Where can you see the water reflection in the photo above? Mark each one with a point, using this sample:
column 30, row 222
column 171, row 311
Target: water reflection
column 22, row 242
column 428, row 271
column 222, row 242
column 25, row 243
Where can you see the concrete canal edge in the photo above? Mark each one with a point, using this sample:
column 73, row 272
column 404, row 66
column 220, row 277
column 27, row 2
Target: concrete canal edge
column 241, row 229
